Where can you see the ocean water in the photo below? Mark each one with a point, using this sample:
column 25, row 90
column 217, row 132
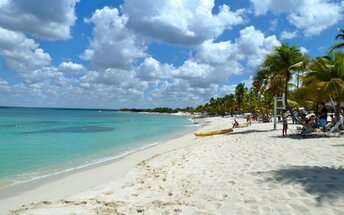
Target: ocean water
column 37, row 142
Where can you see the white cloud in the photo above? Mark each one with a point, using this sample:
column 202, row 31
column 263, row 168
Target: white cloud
column 114, row 77
column 48, row 75
column 217, row 53
column 179, row 93
column 312, row 17
column 254, row 45
column 151, row 70
column 288, row 35
column 199, row 74
column 214, row 63
column 316, row 16
column 112, row 45
column 20, row 53
column 4, row 85
column 40, row 18
column 303, row 50
column 180, row 22
column 168, row 92
column 70, row 67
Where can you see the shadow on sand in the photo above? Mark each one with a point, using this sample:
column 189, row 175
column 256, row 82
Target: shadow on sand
column 290, row 136
column 325, row 183
column 237, row 131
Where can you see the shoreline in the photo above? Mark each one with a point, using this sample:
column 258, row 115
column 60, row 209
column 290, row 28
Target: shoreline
column 25, row 192
column 140, row 146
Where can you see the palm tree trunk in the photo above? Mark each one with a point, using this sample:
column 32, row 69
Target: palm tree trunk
column 286, row 94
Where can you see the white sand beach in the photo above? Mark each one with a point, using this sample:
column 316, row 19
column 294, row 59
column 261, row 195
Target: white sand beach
column 253, row 170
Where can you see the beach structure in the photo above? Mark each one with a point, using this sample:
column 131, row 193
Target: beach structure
column 279, row 105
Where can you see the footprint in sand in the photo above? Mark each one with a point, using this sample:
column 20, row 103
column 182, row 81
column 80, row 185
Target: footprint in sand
column 299, row 208
column 107, row 193
column 203, row 213
column 221, row 196
column 292, row 194
column 211, row 206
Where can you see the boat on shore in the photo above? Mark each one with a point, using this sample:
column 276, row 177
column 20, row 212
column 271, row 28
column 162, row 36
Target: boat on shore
column 223, row 131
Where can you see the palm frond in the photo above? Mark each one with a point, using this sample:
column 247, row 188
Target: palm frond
column 336, row 46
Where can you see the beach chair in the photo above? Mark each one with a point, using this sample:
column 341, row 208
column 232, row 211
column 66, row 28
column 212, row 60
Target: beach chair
column 335, row 128
column 298, row 130
column 317, row 133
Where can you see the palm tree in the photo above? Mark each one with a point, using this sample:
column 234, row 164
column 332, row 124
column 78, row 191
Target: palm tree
column 326, row 75
column 276, row 70
column 339, row 44
column 240, row 92
column 229, row 103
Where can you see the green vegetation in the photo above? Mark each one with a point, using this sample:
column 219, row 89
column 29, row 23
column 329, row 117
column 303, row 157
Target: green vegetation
column 275, row 73
column 338, row 45
column 242, row 101
column 160, row 110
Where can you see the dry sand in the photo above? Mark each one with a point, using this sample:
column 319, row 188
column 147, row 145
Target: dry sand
column 253, row 170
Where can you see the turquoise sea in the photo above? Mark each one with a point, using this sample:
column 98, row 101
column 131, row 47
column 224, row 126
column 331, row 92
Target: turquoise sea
column 38, row 142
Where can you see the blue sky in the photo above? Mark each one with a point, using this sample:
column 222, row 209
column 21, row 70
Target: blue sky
column 148, row 53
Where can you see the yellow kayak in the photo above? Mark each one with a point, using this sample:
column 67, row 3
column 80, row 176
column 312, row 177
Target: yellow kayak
column 224, row 131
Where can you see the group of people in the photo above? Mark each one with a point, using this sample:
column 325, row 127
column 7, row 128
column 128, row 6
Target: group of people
column 311, row 122
column 248, row 122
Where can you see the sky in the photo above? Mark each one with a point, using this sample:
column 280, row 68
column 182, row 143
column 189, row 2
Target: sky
column 148, row 53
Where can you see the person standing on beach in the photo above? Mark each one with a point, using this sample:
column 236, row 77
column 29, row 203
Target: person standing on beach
column 285, row 122
column 248, row 120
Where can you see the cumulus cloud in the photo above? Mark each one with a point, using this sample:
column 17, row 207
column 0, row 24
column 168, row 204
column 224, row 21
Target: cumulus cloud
column 114, row 77
column 316, row 16
column 312, row 17
column 112, row 45
column 288, row 35
column 253, row 44
column 49, row 75
column 151, row 70
column 303, row 50
column 70, row 67
column 121, row 86
column 217, row 53
column 40, row 18
column 4, row 85
column 180, row 22
column 20, row 53
column 214, row 62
